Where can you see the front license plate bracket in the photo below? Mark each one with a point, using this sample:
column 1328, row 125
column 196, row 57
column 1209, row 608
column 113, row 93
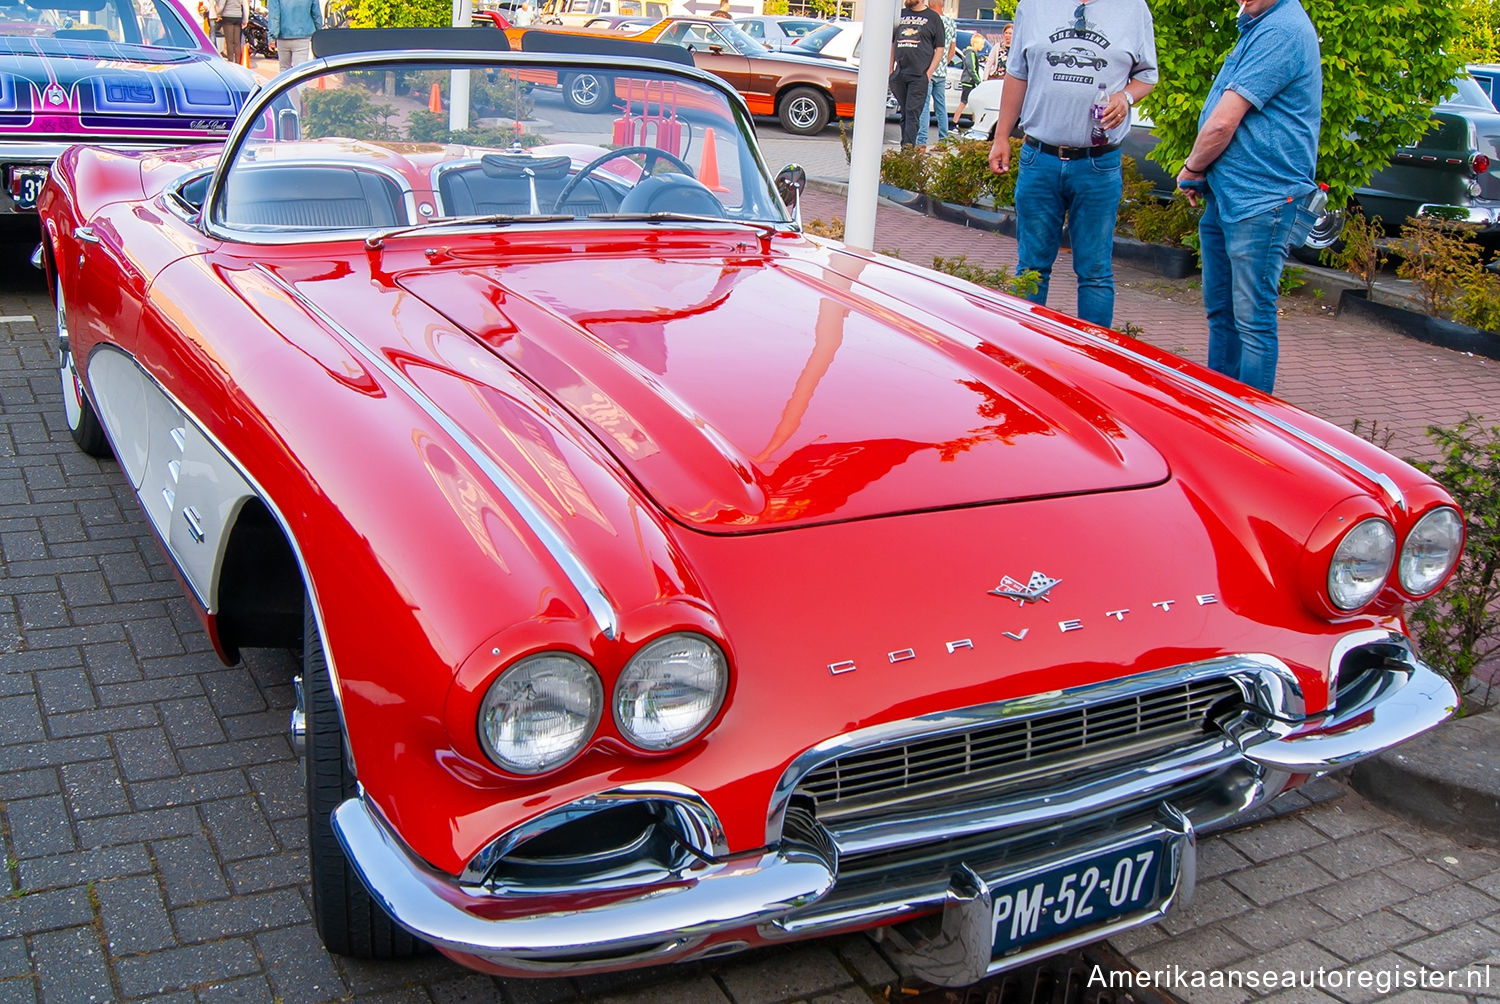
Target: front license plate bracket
column 991, row 926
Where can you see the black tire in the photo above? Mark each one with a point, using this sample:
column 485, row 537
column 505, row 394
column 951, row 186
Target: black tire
column 348, row 918
column 588, row 92
column 78, row 412
column 803, row 111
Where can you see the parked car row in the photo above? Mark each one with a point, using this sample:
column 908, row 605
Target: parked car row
column 1453, row 172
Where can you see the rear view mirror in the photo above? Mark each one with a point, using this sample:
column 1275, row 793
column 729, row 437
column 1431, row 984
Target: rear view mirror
column 790, row 182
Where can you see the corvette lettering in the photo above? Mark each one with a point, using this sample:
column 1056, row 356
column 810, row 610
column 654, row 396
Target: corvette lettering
column 1034, row 593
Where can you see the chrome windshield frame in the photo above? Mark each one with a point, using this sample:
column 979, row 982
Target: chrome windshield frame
column 262, row 99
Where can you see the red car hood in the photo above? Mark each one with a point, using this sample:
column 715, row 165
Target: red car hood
column 756, row 392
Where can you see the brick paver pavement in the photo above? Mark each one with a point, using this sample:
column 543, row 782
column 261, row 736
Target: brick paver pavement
column 151, row 807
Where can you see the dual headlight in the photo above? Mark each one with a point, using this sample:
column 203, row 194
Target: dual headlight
column 1363, row 559
column 543, row 710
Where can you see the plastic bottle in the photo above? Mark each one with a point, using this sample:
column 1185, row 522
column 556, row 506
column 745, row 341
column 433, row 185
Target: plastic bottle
column 1318, row 200
column 1097, row 134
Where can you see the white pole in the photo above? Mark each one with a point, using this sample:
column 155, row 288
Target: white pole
column 458, row 80
column 869, row 123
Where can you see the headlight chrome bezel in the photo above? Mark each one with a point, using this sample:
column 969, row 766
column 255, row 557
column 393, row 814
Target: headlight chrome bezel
column 1421, row 531
column 631, row 676
column 534, row 668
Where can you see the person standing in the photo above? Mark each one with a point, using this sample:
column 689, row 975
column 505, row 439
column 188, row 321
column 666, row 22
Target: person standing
column 994, row 63
column 1061, row 67
column 916, row 53
column 1255, row 156
column 937, row 85
column 971, row 75
column 291, row 23
column 230, row 16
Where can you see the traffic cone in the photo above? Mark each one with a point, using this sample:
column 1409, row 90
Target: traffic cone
column 323, row 82
column 245, row 54
column 435, row 100
column 708, row 170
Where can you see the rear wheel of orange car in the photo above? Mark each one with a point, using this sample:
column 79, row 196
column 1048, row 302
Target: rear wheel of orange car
column 804, row 111
column 587, row 92
column 348, row 918
column 83, row 421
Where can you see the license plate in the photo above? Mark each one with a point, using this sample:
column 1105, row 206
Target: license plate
column 1110, row 884
column 26, row 185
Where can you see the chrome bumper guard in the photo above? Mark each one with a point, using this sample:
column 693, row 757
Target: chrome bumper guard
column 788, row 891
column 739, row 892
column 1394, row 703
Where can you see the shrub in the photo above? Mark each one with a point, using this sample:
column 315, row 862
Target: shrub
column 1171, row 222
column 344, row 111
column 1138, row 192
column 1361, row 254
column 995, row 278
column 1459, row 628
column 833, row 229
column 1478, row 303
column 1440, row 259
column 905, row 167
column 961, row 173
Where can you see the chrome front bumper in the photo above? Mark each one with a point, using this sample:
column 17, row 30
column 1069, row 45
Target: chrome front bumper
column 788, row 890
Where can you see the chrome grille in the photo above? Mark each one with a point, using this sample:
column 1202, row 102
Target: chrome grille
column 1016, row 749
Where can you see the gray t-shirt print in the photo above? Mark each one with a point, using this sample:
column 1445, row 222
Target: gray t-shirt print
column 1064, row 64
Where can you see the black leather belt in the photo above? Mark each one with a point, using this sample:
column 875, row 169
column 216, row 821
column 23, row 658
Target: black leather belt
column 1072, row 152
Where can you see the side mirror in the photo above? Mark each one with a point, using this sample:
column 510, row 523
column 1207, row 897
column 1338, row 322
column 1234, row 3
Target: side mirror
column 789, row 185
column 288, row 125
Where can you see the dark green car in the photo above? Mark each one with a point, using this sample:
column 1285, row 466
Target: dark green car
column 1454, row 172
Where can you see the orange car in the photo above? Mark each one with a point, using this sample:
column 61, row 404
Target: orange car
column 804, row 94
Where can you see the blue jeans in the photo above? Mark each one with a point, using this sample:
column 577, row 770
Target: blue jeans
column 937, row 96
column 1086, row 192
column 1242, row 264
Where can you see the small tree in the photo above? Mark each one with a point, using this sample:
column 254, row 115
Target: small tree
column 1479, row 31
column 1384, row 67
column 399, row 13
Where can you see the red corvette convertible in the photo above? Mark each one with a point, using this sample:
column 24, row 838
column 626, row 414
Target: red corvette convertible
column 668, row 581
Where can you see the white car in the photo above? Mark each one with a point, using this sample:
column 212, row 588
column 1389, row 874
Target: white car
column 840, row 41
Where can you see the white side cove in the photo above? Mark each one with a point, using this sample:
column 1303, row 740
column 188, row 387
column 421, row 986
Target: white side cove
column 189, row 490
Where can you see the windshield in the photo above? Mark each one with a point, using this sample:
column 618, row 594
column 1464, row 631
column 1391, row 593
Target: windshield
column 701, row 36
column 92, row 26
column 814, row 40
column 388, row 147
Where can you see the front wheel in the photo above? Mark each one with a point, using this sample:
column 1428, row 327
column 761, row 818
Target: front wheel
column 83, row 421
column 804, row 111
column 587, row 92
column 348, row 918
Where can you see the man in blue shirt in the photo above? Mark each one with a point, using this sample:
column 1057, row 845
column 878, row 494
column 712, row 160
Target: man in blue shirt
column 1255, row 154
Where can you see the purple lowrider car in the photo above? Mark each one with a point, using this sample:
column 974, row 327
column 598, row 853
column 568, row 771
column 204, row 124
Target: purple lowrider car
column 106, row 72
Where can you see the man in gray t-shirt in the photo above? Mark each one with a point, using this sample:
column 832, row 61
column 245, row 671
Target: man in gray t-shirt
column 1062, row 62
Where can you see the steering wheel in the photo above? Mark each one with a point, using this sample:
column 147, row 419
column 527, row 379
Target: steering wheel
column 652, row 154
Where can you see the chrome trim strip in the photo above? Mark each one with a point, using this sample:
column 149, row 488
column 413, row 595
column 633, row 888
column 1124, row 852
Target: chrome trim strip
column 700, row 825
column 1383, row 481
column 592, row 593
column 1154, row 777
column 727, row 895
column 1268, row 683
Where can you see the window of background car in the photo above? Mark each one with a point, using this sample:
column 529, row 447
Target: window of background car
column 1469, row 94
column 369, row 150
column 815, row 40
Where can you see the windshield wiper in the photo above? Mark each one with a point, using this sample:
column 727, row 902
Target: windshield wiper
column 761, row 227
column 375, row 241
